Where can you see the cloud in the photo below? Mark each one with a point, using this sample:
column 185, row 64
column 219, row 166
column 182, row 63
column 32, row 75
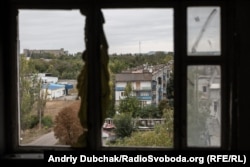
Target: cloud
column 43, row 29
column 125, row 29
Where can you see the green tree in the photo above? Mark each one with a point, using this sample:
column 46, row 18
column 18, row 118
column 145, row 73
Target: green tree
column 157, row 138
column 124, row 125
column 130, row 104
column 163, row 104
column 170, row 87
column 111, row 109
column 26, row 93
column 149, row 111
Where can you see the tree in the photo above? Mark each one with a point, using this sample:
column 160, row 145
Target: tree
column 129, row 104
column 163, row 104
column 170, row 87
column 67, row 126
column 149, row 111
column 26, row 93
column 41, row 99
column 158, row 137
column 111, row 109
column 123, row 125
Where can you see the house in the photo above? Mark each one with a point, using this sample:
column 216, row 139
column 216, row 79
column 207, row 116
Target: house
column 141, row 86
column 149, row 83
column 53, row 91
column 47, row 78
column 160, row 76
column 56, row 52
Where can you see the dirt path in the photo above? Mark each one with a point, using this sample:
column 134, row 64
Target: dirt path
column 41, row 136
column 55, row 106
column 45, row 140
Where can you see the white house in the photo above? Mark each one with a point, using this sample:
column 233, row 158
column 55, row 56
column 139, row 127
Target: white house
column 47, row 78
column 141, row 86
column 53, row 90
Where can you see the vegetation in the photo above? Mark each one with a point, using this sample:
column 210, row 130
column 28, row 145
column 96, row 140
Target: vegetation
column 122, row 62
column 123, row 124
column 69, row 66
column 67, row 127
column 149, row 111
column 30, row 95
column 160, row 136
column 156, row 138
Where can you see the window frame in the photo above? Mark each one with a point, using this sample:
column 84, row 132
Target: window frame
column 224, row 62
column 181, row 61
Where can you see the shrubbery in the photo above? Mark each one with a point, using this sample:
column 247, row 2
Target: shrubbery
column 156, row 138
column 123, row 124
column 67, row 126
column 47, row 121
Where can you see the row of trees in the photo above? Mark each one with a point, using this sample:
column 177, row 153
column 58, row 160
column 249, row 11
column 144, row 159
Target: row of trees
column 32, row 100
column 68, row 129
column 69, row 66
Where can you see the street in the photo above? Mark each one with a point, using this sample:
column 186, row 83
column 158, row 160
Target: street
column 45, row 140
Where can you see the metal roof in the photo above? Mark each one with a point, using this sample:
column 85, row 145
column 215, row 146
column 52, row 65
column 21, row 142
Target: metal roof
column 52, row 86
column 125, row 77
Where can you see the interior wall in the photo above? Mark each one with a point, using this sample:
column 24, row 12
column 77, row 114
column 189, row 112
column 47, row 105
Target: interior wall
column 243, row 21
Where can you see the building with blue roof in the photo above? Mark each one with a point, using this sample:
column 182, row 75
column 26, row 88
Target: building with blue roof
column 54, row 90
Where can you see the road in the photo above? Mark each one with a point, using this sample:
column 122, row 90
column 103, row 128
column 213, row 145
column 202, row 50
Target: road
column 50, row 140
column 45, row 140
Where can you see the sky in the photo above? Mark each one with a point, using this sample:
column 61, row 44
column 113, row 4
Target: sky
column 127, row 30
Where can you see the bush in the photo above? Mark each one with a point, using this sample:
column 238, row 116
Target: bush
column 67, row 124
column 32, row 121
column 123, row 124
column 149, row 111
column 47, row 121
column 156, row 138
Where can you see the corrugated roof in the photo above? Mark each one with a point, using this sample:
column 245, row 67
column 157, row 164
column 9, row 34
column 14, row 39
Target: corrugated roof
column 133, row 77
column 52, row 86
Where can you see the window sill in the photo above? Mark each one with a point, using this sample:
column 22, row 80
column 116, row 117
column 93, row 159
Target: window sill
column 24, row 156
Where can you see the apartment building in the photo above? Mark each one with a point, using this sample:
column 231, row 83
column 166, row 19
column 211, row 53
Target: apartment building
column 149, row 83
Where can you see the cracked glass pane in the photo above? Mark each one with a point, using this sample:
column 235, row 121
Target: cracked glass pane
column 203, row 30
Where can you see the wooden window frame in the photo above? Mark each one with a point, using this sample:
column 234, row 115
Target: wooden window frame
column 181, row 61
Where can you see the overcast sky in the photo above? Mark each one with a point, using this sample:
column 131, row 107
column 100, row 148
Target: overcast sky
column 127, row 31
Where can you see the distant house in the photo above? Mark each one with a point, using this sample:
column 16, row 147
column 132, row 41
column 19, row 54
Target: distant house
column 149, row 83
column 160, row 75
column 141, row 86
column 47, row 78
column 53, row 90
column 56, row 52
